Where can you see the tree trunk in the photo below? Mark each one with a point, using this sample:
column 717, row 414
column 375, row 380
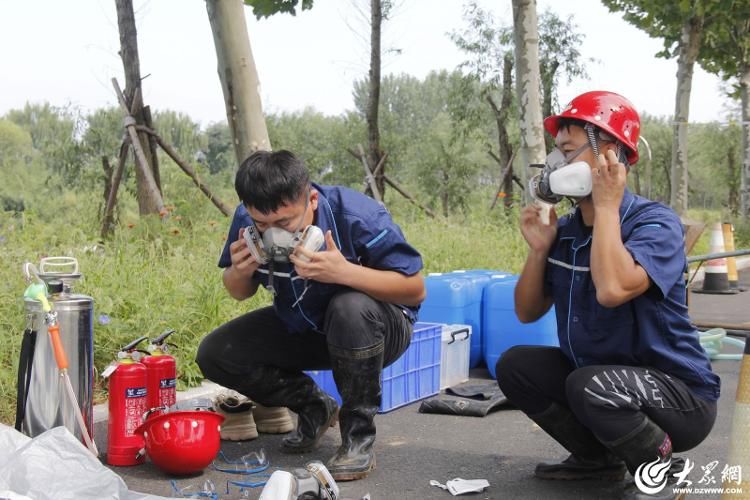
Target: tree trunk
column 108, row 171
column 239, row 78
column 505, row 149
column 149, row 202
column 745, row 173
column 688, row 53
column 548, row 85
column 444, row 196
column 526, row 38
column 373, row 99
column 734, row 195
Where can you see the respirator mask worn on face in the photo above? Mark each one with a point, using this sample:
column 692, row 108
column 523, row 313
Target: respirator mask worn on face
column 560, row 178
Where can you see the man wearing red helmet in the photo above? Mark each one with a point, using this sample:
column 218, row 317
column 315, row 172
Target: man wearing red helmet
column 630, row 382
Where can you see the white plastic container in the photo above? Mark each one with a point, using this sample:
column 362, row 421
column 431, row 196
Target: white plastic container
column 454, row 364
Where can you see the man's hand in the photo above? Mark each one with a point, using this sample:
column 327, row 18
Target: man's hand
column 243, row 262
column 328, row 266
column 608, row 182
column 538, row 235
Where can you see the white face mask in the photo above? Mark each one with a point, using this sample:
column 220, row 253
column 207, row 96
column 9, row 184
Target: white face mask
column 560, row 179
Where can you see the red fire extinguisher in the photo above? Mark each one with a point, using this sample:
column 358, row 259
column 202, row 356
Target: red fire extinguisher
column 127, row 403
column 161, row 372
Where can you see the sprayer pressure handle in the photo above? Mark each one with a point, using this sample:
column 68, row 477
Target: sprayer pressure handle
column 60, row 357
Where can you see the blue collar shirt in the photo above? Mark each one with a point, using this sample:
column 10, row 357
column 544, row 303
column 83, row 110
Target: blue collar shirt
column 653, row 329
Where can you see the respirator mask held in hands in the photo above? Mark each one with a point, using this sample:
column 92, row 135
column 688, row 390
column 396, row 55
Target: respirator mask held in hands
column 275, row 245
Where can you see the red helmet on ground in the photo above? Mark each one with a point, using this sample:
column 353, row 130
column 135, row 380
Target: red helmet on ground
column 182, row 442
column 609, row 111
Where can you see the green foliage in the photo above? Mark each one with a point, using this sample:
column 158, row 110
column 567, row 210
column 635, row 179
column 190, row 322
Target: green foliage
column 714, row 160
column 15, row 143
column 433, row 135
column 559, row 56
column 104, row 132
column 658, row 132
column 726, row 47
column 219, row 154
column 716, row 149
column 55, row 134
column 322, row 141
column 181, row 132
column 486, row 41
column 267, row 8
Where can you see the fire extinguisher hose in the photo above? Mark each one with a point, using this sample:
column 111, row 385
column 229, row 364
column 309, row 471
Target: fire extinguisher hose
column 25, row 362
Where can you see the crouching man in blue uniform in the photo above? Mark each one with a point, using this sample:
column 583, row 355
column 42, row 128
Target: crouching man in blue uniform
column 349, row 307
column 630, row 382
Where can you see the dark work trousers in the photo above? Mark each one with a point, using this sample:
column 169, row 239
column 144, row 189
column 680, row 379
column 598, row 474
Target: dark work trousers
column 610, row 401
column 236, row 351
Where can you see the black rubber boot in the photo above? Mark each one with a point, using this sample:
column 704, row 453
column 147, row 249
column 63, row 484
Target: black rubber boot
column 316, row 411
column 357, row 375
column 589, row 458
column 647, row 451
column 315, row 414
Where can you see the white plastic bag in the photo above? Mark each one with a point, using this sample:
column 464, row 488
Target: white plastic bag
column 56, row 466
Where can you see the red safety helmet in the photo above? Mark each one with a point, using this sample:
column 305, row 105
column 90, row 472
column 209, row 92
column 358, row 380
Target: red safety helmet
column 609, row 111
column 182, row 442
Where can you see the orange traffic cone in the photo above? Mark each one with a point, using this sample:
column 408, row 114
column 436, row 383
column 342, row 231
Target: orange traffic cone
column 716, row 278
column 737, row 485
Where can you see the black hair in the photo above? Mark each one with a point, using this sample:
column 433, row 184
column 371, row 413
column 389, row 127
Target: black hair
column 566, row 122
column 267, row 180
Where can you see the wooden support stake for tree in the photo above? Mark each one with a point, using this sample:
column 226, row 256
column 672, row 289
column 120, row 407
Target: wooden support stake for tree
column 508, row 171
column 504, row 178
column 368, row 174
column 223, row 207
column 406, row 195
column 152, row 148
column 108, row 171
column 380, row 164
column 140, row 156
column 108, row 219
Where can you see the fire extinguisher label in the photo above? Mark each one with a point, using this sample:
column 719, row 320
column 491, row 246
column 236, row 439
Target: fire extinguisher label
column 167, row 395
column 167, row 383
column 135, row 407
column 135, row 392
